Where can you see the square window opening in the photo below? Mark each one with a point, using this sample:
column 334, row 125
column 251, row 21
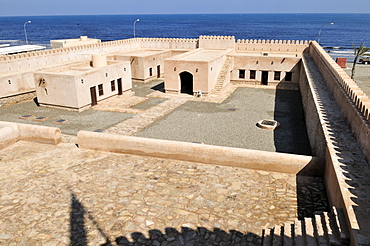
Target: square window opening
column 100, row 88
column 277, row 75
column 252, row 74
column 241, row 74
column 113, row 85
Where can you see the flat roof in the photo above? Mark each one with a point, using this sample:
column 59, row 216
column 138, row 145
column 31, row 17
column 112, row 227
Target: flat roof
column 20, row 49
column 142, row 53
column 201, row 55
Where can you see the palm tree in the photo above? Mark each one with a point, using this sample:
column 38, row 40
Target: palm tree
column 359, row 52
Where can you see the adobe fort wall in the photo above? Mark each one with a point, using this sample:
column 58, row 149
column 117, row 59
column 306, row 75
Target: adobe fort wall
column 313, row 123
column 332, row 96
column 16, row 70
column 353, row 102
column 317, row 127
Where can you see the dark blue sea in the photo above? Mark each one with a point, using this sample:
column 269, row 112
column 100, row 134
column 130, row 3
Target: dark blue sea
column 347, row 28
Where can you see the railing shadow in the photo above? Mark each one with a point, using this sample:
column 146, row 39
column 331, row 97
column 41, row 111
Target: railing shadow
column 201, row 236
column 187, row 236
column 78, row 232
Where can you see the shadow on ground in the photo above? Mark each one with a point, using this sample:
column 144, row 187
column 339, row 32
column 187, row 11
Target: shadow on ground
column 159, row 87
column 171, row 236
column 291, row 136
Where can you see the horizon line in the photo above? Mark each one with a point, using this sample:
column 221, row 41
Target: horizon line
column 176, row 14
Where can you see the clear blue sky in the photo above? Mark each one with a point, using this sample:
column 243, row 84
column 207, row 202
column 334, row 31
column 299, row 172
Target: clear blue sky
column 97, row 7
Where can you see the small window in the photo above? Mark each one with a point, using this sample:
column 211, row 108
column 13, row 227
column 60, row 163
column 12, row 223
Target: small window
column 100, row 88
column 252, row 74
column 288, row 76
column 277, row 75
column 113, row 85
column 150, row 71
column 241, row 74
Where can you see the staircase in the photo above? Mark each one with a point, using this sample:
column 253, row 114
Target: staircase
column 328, row 228
column 220, row 83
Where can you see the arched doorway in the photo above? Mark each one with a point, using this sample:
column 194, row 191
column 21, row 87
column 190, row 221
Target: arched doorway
column 186, row 79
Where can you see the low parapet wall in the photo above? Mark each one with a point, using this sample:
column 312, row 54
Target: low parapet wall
column 9, row 134
column 13, row 132
column 209, row 154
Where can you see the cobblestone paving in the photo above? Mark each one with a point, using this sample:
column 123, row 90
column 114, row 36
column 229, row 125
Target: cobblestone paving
column 312, row 198
column 61, row 195
column 140, row 121
column 121, row 103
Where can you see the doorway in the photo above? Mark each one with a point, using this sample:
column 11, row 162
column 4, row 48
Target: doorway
column 186, row 79
column 158, row 71
column 94, row 99
column 264, row 77
column 119, row 85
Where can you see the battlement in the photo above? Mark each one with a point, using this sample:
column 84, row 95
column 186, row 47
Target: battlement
column 263, row 41
column 217, row 38
column 169, row 43
column 68, row 49
column 353, row 102
column 214, row 42
column 291, row 46
column 217, row 42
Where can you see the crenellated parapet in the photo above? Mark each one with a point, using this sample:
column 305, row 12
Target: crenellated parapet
column 104, row 47
column 353, row 102
column 272, row 41
column 217, row 42
column 169, row 43
column 16, row 70
column 262, row 45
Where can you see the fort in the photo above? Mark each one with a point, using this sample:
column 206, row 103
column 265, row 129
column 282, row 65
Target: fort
column 129, row 184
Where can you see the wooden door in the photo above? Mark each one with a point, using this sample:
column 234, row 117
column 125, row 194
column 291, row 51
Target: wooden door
column 264, row 77
column 119, row 84
column 158, row 71
column 94, row 99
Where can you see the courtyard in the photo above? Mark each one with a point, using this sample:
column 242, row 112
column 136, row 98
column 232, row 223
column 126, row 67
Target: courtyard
column 231, row 122
column 59, row 195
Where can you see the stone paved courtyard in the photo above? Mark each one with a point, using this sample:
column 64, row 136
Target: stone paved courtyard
column 61, row 195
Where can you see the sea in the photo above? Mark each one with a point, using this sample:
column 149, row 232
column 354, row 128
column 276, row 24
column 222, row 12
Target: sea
column 337, row 38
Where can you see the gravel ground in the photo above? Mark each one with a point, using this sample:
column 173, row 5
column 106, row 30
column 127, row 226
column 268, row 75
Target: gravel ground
column 89, row 120
column 149, row 103
column 143, row 89
column 362, row 76
column 233, row 123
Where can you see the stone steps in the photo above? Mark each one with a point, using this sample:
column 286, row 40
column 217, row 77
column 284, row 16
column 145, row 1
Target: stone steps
column 220, row 83
column 326, row 229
